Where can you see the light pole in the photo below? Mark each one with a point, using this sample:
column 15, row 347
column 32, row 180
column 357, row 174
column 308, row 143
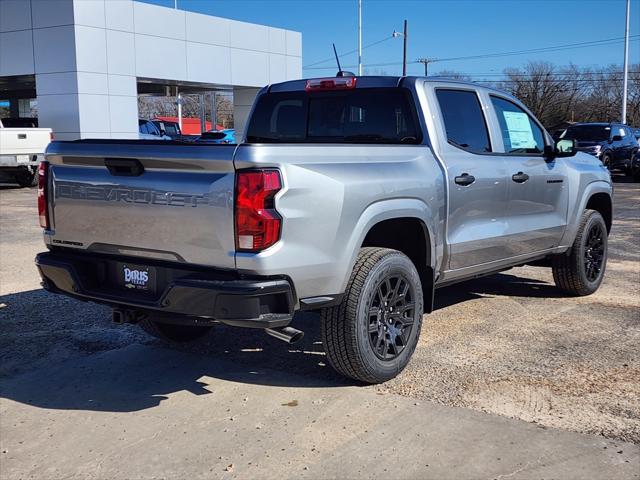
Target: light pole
column 404, row 34
column 404, row 51
column 625, row 80
column 359, row 38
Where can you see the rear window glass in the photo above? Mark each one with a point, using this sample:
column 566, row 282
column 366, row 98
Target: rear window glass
column 463, row 120
column 372, row 115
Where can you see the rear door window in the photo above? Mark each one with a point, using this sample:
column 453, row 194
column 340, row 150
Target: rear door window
column 370, row 115
column 463, row 120
column 520, row 133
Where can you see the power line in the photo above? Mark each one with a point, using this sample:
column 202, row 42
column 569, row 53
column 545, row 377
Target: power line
column 568, row 46
column 594, row 43
column 346, row 53
column 540, row 81
column 559, row 75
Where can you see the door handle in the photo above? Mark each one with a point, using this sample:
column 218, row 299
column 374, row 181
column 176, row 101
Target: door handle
column 520, row 177
column 465, row 179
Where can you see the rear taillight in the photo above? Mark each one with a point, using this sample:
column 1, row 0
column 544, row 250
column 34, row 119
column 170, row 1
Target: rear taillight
column 43, row 204
column 257, row 222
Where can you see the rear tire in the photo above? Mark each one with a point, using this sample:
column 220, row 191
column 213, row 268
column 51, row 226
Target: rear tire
column 580, row 271
column 372, row 334
column 173, row 333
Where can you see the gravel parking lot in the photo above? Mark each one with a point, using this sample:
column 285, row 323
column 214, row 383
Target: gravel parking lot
column 510, row 344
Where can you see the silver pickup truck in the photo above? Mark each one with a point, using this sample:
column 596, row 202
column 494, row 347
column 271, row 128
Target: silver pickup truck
column 357, row 197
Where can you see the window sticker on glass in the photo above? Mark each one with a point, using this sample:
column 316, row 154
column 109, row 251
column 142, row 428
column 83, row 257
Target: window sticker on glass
column 520, row 132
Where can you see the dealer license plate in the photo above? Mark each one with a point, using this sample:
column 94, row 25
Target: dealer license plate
column 138, row 278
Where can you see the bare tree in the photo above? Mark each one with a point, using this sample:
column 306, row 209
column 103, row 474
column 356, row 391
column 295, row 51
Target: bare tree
column 453, row 75
column 541, row 88
column 557, row 95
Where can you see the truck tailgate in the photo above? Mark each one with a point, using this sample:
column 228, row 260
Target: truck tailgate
column 16, row 141
column 160, row 200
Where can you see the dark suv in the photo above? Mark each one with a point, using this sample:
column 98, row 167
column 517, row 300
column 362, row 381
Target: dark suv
column 613, row 143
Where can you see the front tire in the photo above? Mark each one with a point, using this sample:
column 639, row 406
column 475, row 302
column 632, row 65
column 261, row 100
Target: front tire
column 372, row 334
column 173, row 333
column 606, row 159
column 580, row 271
column 27, row 178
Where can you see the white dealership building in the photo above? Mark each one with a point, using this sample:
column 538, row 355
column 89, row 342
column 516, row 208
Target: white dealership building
column 86, row 62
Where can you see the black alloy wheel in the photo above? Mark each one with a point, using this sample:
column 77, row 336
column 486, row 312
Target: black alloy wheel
column 391, row 317
column 580, row 270
column 594, row 250
column 371, row 335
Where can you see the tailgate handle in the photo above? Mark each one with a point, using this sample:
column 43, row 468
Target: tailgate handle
column 22, row 136
column 124, row 167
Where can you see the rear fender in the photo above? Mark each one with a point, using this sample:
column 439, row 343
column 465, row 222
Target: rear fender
column 387, row 210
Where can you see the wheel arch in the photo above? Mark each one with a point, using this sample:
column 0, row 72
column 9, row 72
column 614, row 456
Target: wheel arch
column 408, row 231
column 602, row 203
column 597, row 195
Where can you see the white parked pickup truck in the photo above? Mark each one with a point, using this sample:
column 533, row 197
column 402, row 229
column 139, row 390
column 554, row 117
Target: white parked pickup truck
column 21, row 149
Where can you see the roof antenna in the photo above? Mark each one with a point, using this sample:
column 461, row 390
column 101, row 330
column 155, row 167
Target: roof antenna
column 335, row 52
column 340, row 72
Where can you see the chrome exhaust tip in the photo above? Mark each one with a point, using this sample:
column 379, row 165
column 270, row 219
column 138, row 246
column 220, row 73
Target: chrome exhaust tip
column 286, row 334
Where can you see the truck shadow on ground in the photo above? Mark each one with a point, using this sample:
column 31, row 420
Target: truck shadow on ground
column 118, row 369
column 497, row 285
column 58, row 353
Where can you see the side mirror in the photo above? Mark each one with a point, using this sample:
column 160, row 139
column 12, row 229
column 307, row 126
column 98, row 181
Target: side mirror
column 566, row 147
column 616, row 138
column 163, row 132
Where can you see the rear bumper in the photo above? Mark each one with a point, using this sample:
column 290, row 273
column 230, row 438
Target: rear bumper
column 224, row 296
column 20, row 160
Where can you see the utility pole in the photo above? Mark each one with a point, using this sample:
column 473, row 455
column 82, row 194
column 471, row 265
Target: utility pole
column 625, row 81
column 426, row 62
column 404, row 51
column 359, row 38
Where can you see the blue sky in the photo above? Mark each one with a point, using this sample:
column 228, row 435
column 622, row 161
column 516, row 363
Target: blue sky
column 442, row 29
